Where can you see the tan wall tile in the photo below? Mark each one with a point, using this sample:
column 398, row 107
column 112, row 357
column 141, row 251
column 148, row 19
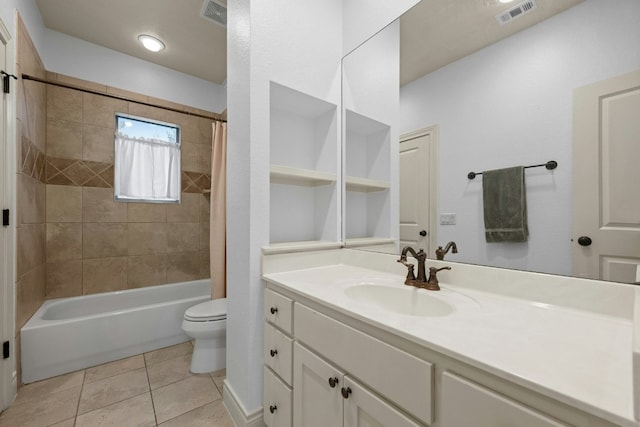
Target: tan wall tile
column 127, row 94
column 147, row 238
column 81, row 83
column 147, row 112
column 30, row 294
column 98, row 144
column 64, row 139
column 205, row 264
column 204, row 235
column 187, row 211
column 183, row 237
column 98, row 206
column 147, row 212
column 205, row 207
column 204, row 155
column 30, row 240
column 100, row 110
column 31, row 200
column 64, row 203
column 190, row 157
column 104, row 275
column 183, row 266
column 64, row 279
column 101, row 240
column 64, row 241
column 64, row 104
column 147, row 270
column 205, row 127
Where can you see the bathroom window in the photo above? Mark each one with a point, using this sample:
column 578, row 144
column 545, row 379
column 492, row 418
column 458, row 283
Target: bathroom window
column 147, row 160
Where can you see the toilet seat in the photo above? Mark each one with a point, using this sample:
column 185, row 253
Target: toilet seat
column 207, row 311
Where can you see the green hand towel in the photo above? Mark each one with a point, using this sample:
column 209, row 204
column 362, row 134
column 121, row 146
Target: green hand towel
column 505, row 205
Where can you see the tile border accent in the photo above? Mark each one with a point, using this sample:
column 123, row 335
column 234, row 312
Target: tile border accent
column 33, row 161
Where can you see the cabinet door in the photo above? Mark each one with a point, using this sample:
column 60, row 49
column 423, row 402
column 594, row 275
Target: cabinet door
column 316, row 401
column 468, row 404
column 363, row 409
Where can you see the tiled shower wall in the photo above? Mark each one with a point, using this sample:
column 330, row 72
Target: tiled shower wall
column 94, row 244
column 30, row 187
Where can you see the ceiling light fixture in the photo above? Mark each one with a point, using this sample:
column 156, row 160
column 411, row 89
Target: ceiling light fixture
column 505, row 1
column 151, row 43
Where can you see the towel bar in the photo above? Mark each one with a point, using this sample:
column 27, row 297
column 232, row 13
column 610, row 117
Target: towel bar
column 551, row 164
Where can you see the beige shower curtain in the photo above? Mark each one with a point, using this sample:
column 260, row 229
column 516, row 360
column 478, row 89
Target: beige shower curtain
column 218, row 235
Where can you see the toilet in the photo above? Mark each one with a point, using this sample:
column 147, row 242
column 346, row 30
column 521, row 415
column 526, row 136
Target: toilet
column 207, row 324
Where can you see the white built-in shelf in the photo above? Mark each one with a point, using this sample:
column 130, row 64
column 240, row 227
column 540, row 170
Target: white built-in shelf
column 368, row 241
column 310, row 245
column 354, row 183
column 297, row 176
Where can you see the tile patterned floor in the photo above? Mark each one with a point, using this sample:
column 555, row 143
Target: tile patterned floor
column 147, row 390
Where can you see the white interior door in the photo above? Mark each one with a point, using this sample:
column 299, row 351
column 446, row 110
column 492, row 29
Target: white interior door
column 606, row 194
column 418, row 189
column 7, row 383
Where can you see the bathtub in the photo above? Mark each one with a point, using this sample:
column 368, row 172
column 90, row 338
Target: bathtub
column 68, row 334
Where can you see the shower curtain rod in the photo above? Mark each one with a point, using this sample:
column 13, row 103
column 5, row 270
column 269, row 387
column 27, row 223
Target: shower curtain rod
column 121, row 98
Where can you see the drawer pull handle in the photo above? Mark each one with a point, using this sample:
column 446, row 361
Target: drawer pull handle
column 333, row 382
column 273, row 353
column 273, row 408
column 346, row 391
column 273, row 310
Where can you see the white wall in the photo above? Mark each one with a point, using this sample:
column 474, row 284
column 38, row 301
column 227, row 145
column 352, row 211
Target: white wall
column 30, row 15
column 77, row 58
column 511, row 104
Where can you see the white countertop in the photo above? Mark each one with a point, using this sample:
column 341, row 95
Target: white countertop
column 578, row 357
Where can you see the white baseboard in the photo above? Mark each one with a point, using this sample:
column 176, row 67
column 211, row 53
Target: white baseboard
column 239, row 415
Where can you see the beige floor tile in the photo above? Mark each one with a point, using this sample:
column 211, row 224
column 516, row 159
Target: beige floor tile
column 210, row 415
column 169, row 371
column 168, row 353
column 218, row 378
column 133, row 412
column 183, row 396
column 51, row 409
column 67, row 423
column 37, row 390
column 113, row 389
column 113, row 368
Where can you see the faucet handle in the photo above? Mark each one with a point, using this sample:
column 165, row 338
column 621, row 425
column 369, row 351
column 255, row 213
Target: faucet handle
column 411, row 277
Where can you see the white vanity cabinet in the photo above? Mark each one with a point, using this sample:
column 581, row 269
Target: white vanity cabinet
column 278, row 354
column 465, row 403
column 325, row 396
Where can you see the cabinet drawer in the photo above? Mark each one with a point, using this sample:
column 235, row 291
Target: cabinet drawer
column 465, row 403
column 278, row 352
column 276, row 401
column 398, row 376
column 278, row 310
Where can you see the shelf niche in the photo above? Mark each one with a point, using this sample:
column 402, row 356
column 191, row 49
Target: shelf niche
column 367, row 180
column 304, row 163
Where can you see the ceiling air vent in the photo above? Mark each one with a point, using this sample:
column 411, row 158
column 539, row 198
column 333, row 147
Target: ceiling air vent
column 516, row 12
column 214, row 11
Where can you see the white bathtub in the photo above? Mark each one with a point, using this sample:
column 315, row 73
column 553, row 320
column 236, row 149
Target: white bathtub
column 68, row 334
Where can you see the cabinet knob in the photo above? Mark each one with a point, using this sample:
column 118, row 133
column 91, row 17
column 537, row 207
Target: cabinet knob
column 273, row 310
column 273, row 408
column 333, row 382
column 346, row 391
column 273, row 353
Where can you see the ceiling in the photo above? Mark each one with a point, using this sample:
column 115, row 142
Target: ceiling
column 433, row 34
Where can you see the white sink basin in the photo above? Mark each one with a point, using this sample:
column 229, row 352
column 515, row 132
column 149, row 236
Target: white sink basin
column 403, row 300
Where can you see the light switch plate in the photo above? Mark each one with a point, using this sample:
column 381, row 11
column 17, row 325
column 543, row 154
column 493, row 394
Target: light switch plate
column 447, row 219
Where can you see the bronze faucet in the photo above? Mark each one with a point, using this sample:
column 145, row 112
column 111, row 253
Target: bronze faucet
column 440, row 253
column 421, row 281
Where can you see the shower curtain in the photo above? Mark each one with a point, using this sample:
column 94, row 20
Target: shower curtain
column 218, row 236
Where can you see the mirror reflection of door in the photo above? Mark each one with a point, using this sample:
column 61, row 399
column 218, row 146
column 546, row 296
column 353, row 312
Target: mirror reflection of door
column 606, row 203
column 418, row 189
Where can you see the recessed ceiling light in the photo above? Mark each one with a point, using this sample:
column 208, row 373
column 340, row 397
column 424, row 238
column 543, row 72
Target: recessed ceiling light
column 151, row 43
column 505, row 1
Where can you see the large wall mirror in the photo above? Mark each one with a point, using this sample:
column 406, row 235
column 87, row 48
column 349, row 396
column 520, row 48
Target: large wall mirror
column 500, row 92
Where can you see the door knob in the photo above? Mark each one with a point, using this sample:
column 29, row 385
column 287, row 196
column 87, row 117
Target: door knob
column 584, row 241
column 423, row 233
